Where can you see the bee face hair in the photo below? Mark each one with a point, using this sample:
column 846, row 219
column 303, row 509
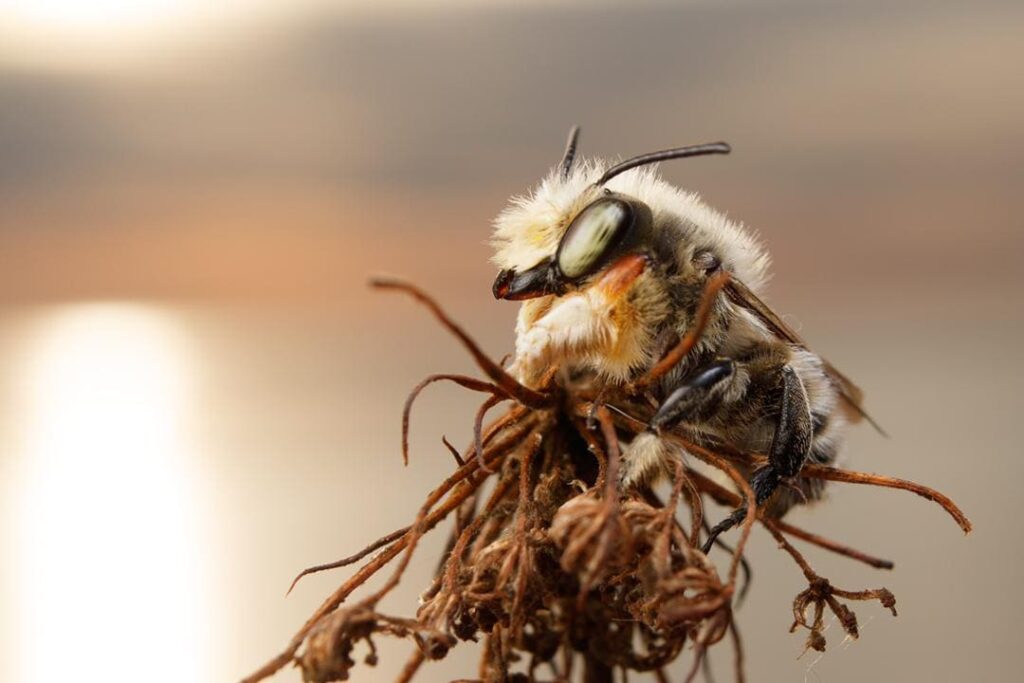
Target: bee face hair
column 529, row 233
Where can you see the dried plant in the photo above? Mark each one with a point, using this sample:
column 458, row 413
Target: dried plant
column 561, row 574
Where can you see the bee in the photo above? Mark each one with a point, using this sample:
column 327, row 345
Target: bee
column 610, row 263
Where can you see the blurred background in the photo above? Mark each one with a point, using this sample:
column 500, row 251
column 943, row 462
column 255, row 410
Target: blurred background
column 199, row 396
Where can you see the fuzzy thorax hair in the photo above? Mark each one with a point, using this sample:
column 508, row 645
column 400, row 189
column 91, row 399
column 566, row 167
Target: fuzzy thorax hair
column 529, row 230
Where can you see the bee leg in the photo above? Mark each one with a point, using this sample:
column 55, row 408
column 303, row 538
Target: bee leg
column 790, row 448
column 687, row 398
column 649, row 456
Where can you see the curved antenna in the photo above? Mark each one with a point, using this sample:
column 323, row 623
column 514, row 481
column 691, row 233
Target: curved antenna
column 570, row 151
column 664, row 155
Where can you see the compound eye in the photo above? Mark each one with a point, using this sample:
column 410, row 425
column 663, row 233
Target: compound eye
column 592, row 236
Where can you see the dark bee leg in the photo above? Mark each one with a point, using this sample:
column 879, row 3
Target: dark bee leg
column 789, row 450
column 686, row 398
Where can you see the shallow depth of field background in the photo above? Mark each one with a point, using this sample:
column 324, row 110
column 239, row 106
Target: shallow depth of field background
column 199, row 396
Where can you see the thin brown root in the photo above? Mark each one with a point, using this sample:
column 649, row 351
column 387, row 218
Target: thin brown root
column 509, row 384
column 686, row 344
column 821, row 593
column 478, row 422
column 851, row 477
column 745, row 569
column 698, row 657
column 459, row 462
column 838, row 548
column 411, row 666
column 741, row 483
column 351, row 559
column 462, row 380
column 611, row 440
column 737, row 646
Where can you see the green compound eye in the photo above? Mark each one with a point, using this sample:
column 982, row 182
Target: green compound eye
column 592, row 236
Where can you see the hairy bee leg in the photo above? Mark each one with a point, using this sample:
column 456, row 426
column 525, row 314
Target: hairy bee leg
column 577, row 323
column 647, row 459
column 649, row 456
column 789, row 450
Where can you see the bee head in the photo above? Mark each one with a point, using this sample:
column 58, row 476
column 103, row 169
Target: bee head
column 575, row 227
column 610, row 226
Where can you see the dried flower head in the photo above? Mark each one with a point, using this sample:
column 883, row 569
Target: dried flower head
column 554, row 566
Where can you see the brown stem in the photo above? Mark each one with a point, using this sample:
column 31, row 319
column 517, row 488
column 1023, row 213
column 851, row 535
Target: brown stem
column 459, row 460
column 351, row 559
column 850, row 477
column 805, row 567
column 696, row 506
column 478, row 422
column 411, row 667
column 462, row 380
column 698, row 656
column 611, row 440
column 834, row 546
column 737, row 646
column 509, row 384
column 686, row 344
column 673, row 500
column 722, row 464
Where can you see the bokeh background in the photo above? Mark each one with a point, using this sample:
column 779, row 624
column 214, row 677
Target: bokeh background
column 199, row 396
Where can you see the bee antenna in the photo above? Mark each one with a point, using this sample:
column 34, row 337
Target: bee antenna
column 569, row 155
column 664, row 155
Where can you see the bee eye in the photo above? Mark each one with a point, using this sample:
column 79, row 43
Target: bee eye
column 592, row 235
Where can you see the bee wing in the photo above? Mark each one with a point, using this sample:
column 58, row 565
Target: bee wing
column 741, row 295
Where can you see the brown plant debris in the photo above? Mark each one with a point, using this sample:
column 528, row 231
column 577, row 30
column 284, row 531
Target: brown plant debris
column 557, row 572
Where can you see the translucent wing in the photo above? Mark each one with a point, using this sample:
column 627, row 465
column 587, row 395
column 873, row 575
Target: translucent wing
column 741, row 295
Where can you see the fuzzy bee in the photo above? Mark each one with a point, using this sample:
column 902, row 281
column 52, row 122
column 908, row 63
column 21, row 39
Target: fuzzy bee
column 610, row 262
